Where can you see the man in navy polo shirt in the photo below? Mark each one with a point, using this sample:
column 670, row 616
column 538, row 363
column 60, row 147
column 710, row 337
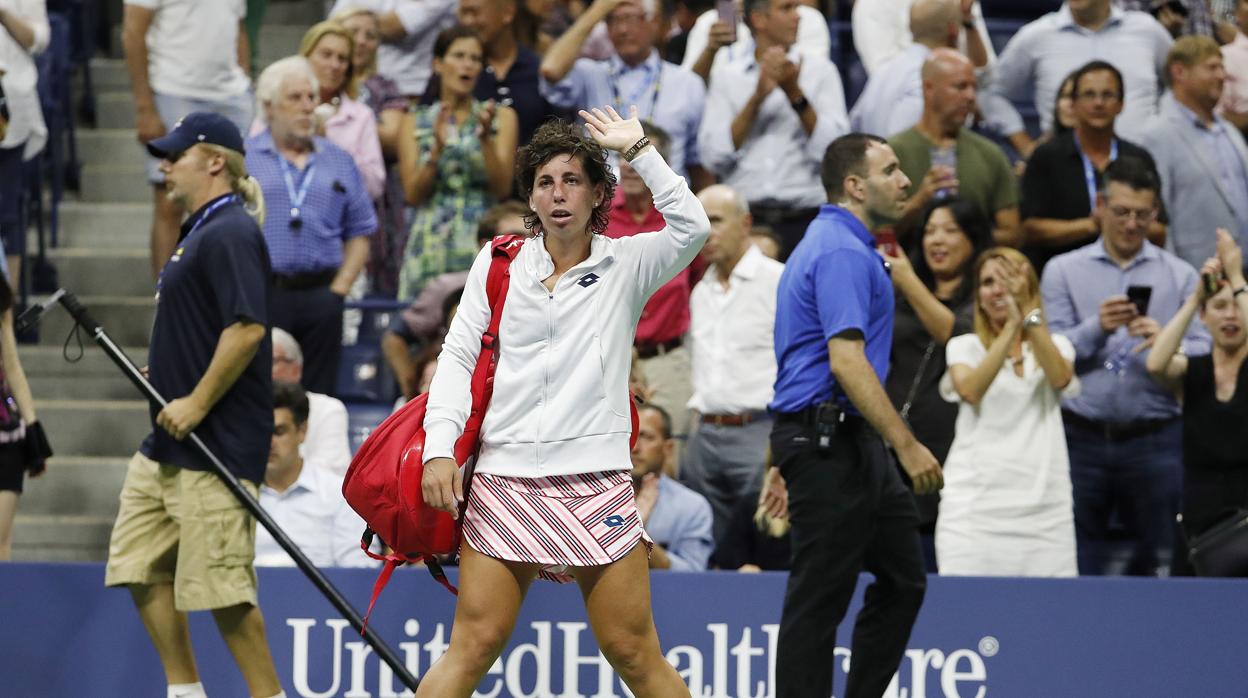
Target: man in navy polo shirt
column 182, row 542
column 848, row 506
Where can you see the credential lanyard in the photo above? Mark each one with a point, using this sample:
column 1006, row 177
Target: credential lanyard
column 653, row 81
column 232, row 198
column 296, row 197
column 1089, row 172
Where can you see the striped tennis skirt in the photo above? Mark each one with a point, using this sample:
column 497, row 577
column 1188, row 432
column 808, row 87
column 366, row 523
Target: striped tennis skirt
column 556, row 522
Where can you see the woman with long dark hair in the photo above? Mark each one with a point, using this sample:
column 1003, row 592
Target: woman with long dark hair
column 455, row 159
column 934, row 286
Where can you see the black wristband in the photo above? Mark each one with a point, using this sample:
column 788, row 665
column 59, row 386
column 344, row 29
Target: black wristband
column 1241, row 289
column 799, row 105
column 637, row 148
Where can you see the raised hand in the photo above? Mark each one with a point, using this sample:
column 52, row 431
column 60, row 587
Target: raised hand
column 1231, row 256
column 612, row 131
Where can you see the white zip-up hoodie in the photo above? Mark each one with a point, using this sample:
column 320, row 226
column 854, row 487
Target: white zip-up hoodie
column 560, row 403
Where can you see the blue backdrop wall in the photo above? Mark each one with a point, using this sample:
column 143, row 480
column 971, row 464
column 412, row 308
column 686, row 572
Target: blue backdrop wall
column 63, row 634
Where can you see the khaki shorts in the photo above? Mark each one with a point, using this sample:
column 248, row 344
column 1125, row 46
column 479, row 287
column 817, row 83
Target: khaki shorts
column 183, row 527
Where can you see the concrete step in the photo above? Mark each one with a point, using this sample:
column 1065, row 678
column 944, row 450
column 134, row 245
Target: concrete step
column 52, row 377
column 127, row 320
column 101, row 226
column 101, row 428
column 76, row 486
column 115, row 183
column 115, row 110
column 115, row 145
column 61, row 538
column 105, row 272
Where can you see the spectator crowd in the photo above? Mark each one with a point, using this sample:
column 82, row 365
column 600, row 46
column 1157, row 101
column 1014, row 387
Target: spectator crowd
column 1070, row 297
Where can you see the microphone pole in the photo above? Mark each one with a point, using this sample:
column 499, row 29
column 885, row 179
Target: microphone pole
column 84, row 319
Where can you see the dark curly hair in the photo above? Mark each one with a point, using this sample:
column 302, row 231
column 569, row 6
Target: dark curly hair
column 558, row 137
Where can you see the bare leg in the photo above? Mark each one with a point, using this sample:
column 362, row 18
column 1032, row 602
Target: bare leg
column 168, row 629
column 490, row 594
column 242, row 628
column 8, row 510
column 617, row 599
column 166, row 219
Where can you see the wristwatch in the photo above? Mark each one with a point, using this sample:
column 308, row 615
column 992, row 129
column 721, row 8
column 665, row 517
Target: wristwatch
column 1241, row 289
column 1034, row 319
column 799, row 105
column 637, row 147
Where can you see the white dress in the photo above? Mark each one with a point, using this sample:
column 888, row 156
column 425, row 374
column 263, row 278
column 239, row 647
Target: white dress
column 1006, row 508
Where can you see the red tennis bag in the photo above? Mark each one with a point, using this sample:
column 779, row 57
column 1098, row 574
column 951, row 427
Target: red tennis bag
column 383, row 483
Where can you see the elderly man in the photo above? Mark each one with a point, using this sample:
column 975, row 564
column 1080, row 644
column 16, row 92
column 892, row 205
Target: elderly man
column 1123, row 430
column 733, row 318
column 1064, row 175
column 675, row 517
column 319, row 217
column 1202, row 157
column 326, row 444
column 173, row 73
column 305, row 501
column 946, row 158
column 665, row 94
column 770, row 115
column 1041, row 55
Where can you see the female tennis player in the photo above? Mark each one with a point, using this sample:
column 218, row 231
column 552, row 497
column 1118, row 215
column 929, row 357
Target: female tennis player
column 551, row 495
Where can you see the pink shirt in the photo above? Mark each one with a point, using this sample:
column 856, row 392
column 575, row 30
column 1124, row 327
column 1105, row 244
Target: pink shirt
column 1235, row 90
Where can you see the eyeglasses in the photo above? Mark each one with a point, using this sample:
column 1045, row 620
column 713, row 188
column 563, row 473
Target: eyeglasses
column 629, row 19
column 1125, row 214
column 1090, row 96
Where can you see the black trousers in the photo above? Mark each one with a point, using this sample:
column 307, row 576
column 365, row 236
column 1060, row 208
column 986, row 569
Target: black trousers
column 314, row 317
column 850, row 510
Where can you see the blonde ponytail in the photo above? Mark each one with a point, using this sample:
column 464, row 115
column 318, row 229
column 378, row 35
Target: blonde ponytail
column 241, row 183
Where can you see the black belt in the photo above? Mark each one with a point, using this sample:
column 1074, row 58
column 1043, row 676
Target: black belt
column 304, row 280
column 1118, row 431
column 771, row 215
column 806, row 417
column 649, row 350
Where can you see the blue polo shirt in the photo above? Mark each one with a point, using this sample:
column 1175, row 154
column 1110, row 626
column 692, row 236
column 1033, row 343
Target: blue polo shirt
column 833, row 282
column 219, row 274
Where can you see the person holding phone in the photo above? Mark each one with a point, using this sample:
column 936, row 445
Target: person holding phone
column 1214, row 390
column 1123, row 431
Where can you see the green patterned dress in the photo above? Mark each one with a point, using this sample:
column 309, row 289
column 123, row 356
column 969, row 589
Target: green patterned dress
column 444, row 230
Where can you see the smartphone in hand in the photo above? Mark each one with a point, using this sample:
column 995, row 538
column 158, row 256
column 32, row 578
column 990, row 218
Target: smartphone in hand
column 727, row 10
column 1139, row 296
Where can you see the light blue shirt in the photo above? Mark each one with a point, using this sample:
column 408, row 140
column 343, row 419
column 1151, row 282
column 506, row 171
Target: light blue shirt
column 316, row 517
column 892, row 101
column 1040, row 56
column 1224, row 155
column 681, row 523
column 1116, row 386
column 665, row 94
column 778, row 163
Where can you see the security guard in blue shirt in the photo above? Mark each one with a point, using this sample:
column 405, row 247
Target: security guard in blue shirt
column 848, row 505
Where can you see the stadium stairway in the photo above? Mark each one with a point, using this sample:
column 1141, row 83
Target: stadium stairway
column 94, row 418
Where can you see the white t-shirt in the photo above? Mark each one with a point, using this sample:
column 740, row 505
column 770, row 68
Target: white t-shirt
column 192, row 48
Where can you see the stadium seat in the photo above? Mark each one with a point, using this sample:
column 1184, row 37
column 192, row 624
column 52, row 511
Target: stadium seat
column 364, row 375
column 362, row 419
